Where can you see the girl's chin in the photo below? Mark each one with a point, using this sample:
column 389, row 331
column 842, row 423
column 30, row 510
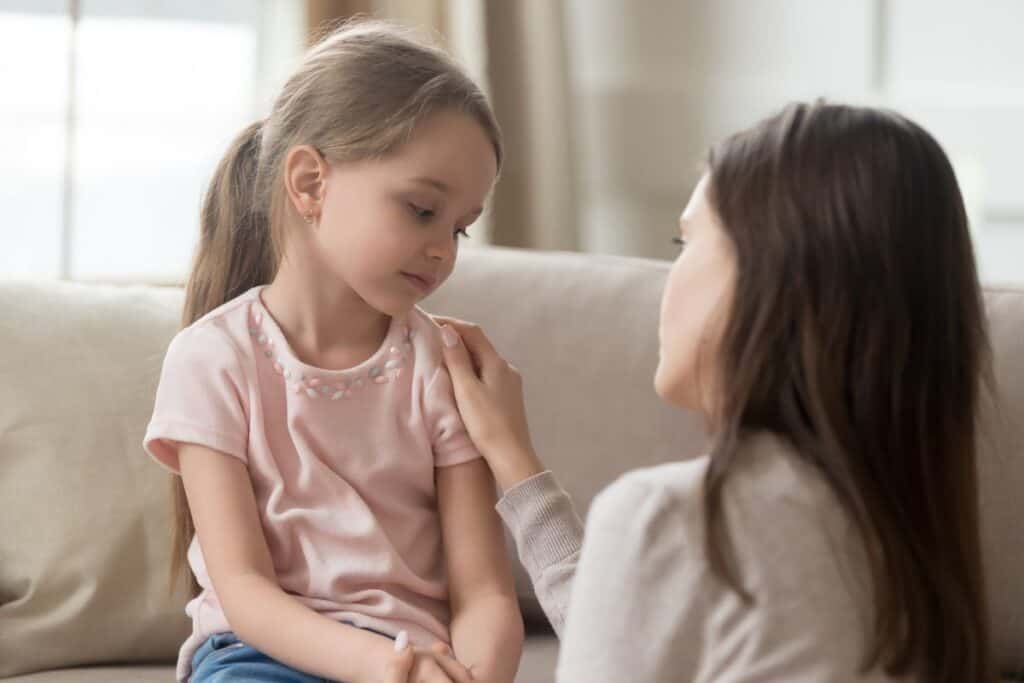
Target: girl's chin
column 391, row 305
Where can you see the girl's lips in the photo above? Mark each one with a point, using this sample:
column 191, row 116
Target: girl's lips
column 421, row 282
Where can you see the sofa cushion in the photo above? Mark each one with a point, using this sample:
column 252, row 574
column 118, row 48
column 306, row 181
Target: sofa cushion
column 1001, row 478
column 540, row 653
column 83, row 514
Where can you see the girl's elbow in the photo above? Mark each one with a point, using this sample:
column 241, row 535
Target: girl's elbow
column 244, row 599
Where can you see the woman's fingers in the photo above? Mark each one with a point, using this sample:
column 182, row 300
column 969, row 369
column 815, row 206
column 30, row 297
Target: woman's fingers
column 487, row 364
column 397, row 670
column 429, row 671
column 479, row 346
column 457, row 358
column 452, row 668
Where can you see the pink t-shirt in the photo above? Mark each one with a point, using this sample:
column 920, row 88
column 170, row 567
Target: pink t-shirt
column 342, row 464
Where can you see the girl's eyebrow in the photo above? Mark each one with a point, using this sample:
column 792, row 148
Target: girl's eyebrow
column 438, row 185
column 433, row 182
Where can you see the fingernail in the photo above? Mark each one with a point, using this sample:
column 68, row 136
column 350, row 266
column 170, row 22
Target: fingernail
column 450, row 336
column 402, row 641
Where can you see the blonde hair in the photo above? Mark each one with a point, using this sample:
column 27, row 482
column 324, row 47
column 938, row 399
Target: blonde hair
column 359, row 93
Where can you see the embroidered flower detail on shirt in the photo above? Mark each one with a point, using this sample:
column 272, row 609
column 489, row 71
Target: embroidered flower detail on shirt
column 333, row 388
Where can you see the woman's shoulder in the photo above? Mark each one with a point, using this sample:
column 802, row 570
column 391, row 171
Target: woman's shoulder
column 663, row 502
column 770, row 471
column 769, row 481
column 766, row 466
column 679, row 482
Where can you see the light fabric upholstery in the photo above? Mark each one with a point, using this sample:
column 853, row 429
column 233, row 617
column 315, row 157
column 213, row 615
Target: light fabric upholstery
column 83, row 513
column 83, row 522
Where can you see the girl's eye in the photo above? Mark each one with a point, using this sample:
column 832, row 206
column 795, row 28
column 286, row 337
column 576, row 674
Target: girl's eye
column 461, row 232
column 421, row 213
column 679, row 241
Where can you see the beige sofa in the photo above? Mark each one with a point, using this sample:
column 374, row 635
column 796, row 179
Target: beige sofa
column 83, row 514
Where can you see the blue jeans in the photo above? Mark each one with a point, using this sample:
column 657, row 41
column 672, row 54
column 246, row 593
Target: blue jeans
column 223, row 658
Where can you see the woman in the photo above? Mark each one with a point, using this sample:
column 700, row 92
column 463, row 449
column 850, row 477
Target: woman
column 825, row 317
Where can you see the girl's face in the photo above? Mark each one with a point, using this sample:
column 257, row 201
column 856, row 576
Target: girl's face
column 389, row 228
column 694, row 308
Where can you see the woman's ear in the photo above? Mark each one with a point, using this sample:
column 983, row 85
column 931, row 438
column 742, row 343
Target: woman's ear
column 304, row 172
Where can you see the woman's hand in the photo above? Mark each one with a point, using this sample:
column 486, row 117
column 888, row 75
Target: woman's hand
column 489, row 393
column 420, row 665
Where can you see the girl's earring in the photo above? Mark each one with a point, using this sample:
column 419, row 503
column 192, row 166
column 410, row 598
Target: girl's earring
column 308, row 217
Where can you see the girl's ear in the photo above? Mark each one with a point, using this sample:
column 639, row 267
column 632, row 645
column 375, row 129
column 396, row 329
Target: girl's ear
column 304, row 173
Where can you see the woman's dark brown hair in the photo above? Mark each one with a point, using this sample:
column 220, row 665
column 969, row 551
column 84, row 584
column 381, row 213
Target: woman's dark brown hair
column 857, row 333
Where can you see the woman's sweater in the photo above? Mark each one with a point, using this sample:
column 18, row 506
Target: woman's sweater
column 637, row 600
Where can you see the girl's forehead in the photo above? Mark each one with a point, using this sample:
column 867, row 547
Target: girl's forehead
column 453, row 131
column 449, row 156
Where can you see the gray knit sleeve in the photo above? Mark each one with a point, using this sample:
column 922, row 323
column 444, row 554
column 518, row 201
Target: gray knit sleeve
column 548, row 535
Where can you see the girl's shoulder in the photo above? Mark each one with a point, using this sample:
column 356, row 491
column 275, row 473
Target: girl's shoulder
column 422, row 325
column 242, row 311
column 216, row 339
column 424, row 337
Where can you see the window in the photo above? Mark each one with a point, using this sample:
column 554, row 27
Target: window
column 658, row 83
column 119, row 111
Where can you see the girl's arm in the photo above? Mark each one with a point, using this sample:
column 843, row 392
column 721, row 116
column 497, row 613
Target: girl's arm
column 261, row 614
column 486, row 628
column 547, row 531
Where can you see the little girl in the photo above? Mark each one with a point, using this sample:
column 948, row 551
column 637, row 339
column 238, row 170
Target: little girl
column 337, row 500
column 825, row 317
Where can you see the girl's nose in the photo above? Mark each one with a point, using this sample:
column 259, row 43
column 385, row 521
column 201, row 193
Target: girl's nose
column 441, row 249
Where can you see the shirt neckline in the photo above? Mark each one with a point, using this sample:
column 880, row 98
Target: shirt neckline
column 395, row 346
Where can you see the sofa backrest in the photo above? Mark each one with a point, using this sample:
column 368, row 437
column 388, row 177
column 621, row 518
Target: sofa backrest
column 83, row 513
column 583, row 331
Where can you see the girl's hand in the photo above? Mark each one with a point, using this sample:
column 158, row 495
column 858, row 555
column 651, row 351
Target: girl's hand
column 489, row 393
column 419, row 665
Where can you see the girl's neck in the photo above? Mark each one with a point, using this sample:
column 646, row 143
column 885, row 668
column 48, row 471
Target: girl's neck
column 326, row 323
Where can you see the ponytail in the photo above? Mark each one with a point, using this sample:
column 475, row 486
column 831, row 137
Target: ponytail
column 235, row 253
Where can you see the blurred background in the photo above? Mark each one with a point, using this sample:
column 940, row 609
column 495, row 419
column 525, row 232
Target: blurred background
column 113, row 113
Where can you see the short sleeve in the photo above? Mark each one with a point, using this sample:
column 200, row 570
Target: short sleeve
column 199, row 399
column 451, row 443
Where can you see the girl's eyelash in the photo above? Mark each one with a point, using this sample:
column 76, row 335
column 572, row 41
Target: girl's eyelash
column 425, row 214
column 679, row 241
